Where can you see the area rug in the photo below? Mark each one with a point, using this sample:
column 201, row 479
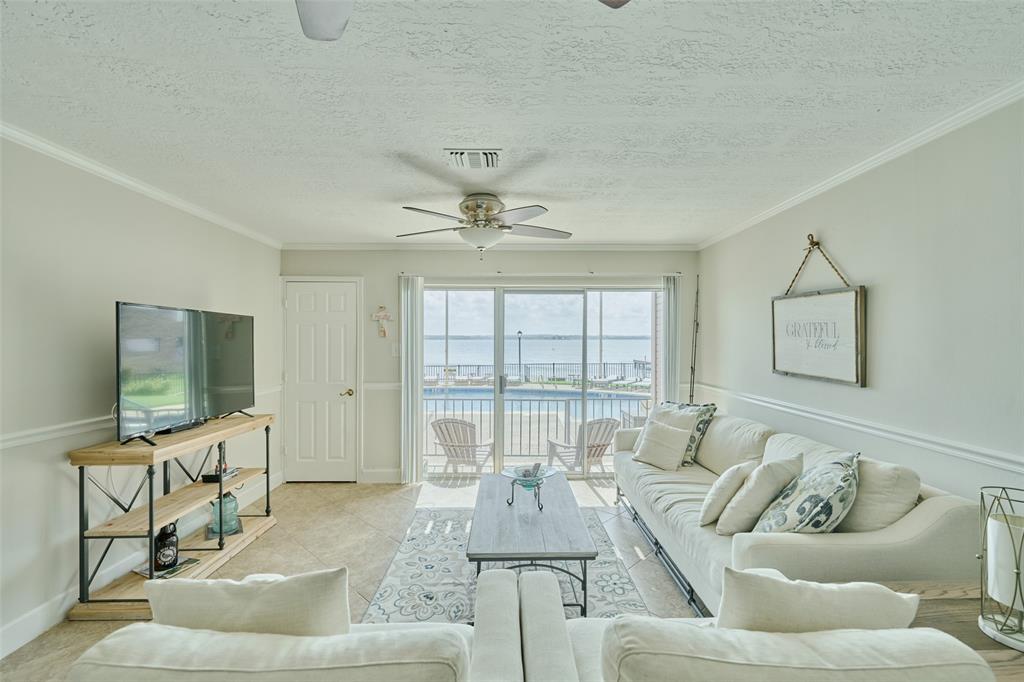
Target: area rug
column 430, row 578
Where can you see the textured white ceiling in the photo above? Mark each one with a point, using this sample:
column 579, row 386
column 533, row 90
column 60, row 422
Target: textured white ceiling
column 662, row 122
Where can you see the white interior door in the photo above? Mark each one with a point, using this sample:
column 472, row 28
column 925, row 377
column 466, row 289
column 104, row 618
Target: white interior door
column 321, row 401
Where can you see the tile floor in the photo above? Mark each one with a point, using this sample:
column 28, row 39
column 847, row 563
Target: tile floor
column 328, row 524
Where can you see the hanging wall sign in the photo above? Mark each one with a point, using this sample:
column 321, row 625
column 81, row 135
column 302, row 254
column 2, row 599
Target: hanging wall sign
column 820, row 335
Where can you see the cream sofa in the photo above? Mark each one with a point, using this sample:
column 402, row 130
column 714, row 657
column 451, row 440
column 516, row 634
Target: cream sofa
column 639, row 649
column 936, row 540
column 489, row 651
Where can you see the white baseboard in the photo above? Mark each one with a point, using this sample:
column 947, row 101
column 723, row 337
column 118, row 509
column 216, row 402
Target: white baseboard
column 30, row 625
column 380, row 476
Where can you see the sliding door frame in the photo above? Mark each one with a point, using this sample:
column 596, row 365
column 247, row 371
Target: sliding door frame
column 500, row 291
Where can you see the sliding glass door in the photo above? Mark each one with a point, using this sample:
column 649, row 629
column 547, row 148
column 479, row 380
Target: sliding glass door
column 543, row 396
column 573, row 366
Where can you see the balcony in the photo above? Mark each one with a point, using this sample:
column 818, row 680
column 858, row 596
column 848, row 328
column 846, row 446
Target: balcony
column 543, row 403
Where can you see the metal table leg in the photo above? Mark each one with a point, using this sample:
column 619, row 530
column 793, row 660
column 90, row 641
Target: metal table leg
column 267, row 430
column 83, row 543
column 583, row 609
column 151, row 535
column 220, row 492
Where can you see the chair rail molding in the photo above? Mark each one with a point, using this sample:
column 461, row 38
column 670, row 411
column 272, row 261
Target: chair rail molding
column 980, row 455
column 17, row 439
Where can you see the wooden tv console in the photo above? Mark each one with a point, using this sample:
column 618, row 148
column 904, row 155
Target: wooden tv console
column 124, row 599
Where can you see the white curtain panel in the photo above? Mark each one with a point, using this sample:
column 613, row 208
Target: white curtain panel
column 673, row 286
column 411, row 312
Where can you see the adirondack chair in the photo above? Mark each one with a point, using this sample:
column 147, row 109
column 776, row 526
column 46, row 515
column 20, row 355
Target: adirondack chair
column 457, row 438
column 599, row 438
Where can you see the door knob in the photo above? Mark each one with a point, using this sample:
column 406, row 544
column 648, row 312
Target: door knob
column 348, row 392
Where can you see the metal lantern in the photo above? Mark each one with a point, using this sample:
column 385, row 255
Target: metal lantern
column 1002, row 555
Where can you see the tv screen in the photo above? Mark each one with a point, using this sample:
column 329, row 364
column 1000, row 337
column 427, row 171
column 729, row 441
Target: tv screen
column 177, row 367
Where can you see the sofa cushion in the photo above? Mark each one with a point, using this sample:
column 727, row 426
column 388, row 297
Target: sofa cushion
column 731, row 440
column 587, row 635
column 723, row 490
column 692, row 418
column 886, row 492
column 636, row 649
column 309, row 604
column 755, row 601
column 661, row 445
column 674, row 499
column 758, row 491
column 152, row 652
column 816, row 501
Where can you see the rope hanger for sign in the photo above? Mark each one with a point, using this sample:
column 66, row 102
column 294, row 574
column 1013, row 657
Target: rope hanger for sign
column 812, row 246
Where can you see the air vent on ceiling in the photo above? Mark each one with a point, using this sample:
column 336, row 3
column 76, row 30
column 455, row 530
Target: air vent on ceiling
column 472, row 159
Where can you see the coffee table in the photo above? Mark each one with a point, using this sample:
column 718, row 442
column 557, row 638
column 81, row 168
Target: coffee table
column 529, row 537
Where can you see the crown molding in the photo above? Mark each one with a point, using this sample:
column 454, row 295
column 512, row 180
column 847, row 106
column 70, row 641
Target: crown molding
column 55, row 151
column 961, row 118
column 532, row 246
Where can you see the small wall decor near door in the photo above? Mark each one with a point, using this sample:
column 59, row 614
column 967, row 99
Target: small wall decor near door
column 820, row 334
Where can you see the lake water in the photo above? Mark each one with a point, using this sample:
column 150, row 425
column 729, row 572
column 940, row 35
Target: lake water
column 480, row 350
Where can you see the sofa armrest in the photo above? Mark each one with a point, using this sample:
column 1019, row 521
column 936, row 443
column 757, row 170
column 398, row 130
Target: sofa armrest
column 625, row 439
column 937, row 540
column 547, row 650
column 497, row 654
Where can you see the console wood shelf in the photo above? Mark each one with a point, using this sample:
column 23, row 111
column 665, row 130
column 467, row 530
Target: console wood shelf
column 124, row 599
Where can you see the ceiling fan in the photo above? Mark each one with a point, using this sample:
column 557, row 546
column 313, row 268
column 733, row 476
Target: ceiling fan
column 485, row 222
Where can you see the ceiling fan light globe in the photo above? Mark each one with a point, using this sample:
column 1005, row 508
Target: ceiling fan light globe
column 481, row 237
column 323, row 20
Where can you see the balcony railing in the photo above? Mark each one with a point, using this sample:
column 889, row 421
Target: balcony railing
column 529, row 422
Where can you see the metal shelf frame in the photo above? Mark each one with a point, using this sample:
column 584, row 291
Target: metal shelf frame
column 85, row 576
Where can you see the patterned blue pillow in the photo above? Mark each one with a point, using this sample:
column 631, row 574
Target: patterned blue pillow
column 816, row 501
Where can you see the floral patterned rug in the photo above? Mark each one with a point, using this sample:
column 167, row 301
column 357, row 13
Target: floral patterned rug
column 430, row 578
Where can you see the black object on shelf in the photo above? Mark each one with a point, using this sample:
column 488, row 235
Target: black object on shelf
column 166, row 548
column 215, row 476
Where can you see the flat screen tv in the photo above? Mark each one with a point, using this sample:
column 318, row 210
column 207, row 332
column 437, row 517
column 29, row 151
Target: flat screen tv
column 177, row 367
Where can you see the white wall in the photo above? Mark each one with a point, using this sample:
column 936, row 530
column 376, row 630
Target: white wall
column 937, row 236
column 73, row 244
column 381, row 270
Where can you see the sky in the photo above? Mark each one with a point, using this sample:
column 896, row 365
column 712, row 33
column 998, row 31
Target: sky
column 471, row 313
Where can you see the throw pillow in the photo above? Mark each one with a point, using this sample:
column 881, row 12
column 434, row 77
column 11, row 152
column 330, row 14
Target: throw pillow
column 885, row 493
column 308, row 604
column 754, row 601
column 723, row 490
column 662, row 445
column 692, row 418
column 761, row 487
column 816, row 501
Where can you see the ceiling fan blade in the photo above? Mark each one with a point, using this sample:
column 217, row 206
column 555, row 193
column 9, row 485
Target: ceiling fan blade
column 443, row 229
column 535, row 231
column 514, row 215
column 433, row 213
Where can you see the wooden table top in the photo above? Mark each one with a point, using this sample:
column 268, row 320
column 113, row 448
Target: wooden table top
column 953, row 608
column 521, row 531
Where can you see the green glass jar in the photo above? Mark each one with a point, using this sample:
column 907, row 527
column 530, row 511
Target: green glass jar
column 230, row 515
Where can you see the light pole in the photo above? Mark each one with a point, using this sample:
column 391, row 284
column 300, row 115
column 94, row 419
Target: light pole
column 519, row 337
